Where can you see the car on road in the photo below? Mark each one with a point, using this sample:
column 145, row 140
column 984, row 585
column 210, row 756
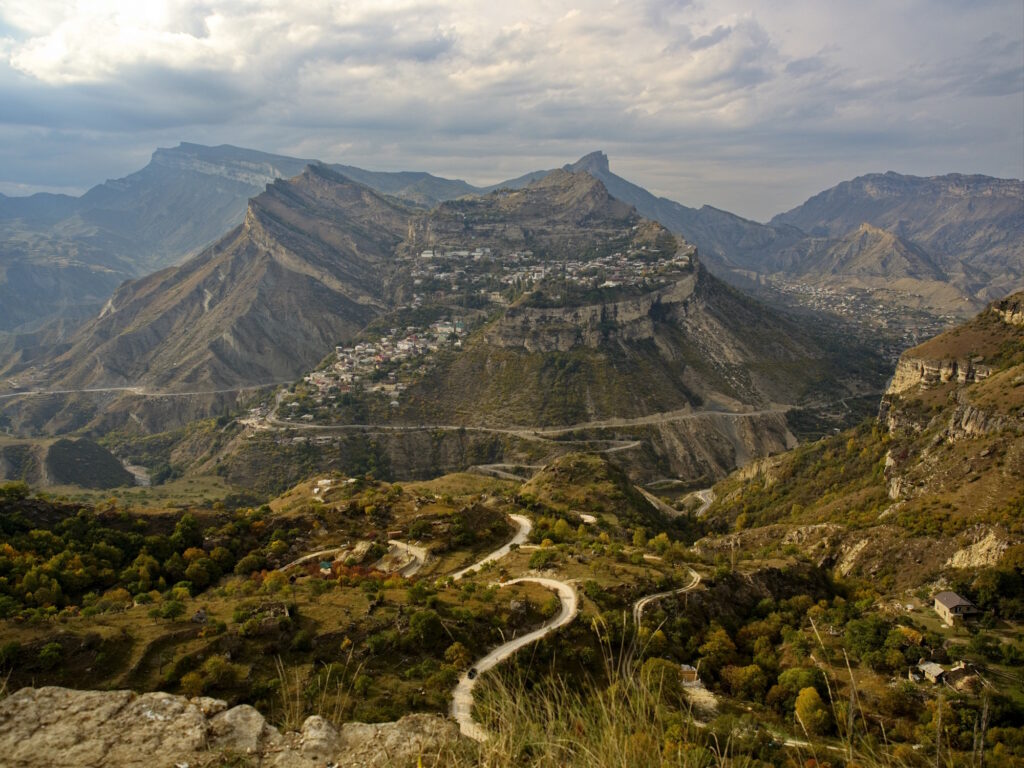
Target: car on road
column 472, row 673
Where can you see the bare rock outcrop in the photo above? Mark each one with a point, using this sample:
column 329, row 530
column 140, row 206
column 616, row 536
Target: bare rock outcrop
column 43, row 727
column 984, row 552
column 913, row 372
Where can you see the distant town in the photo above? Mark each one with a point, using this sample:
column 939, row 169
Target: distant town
column 863, row 310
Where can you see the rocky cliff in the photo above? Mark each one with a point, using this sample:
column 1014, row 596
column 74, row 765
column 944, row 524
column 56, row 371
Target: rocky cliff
column 43, row 727
column 542, row 329
column 914, row 372
column 954, row 395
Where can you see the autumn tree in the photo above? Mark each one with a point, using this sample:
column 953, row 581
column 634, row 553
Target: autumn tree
column 812, row 713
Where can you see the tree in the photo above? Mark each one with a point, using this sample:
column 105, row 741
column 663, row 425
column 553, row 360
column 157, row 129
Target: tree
column 458, row 655
column 426, row 628
column 50, row 655
column 199, row 574
column 172, row 609
column 662, row 678
column 187, row 533
column 561, row 530
column 749, row 682
column 782, row 696
column 249, row 563
column 717, row 650
column 812, row 713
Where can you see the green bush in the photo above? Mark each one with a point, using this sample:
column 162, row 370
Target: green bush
column 50, row 655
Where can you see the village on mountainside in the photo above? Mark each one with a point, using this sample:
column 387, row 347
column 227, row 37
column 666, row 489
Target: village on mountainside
column 445, row 279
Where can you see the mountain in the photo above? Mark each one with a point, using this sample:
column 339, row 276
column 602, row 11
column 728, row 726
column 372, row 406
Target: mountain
column 871, row 252
column 726, row 241
column 971, row 226
column 552, row 307
column 876, row 261
column 262, row 304
column 933, row 483
column 968, row 229
column 62, row 256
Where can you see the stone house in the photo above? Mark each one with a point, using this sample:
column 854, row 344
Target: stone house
column 950, row 607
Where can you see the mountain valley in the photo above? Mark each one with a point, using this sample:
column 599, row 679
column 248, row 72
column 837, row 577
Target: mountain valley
column 484, row 469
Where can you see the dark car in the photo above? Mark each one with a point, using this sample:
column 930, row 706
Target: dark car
column 472, row 673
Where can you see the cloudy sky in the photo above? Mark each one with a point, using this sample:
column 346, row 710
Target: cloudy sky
column 748, row 106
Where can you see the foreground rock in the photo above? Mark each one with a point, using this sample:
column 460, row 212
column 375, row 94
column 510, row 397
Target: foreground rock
column 88, row 729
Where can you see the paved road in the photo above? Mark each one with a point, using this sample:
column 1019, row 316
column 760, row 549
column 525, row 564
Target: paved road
column 643, row 602
column 531, row 433
column 524, row 525
column 658, row 504
column 462, row 696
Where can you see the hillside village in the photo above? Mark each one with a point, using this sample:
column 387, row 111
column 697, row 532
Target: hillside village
column 384, row 367
column 497, row 277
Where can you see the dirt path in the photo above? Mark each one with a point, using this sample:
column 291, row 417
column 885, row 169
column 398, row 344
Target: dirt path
column 462, row 696
column 313, row 556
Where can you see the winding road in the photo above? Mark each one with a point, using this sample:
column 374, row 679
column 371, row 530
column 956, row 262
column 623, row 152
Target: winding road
column 462, row 696
column 419, row 557
column 706, row 496
column 525, row 526
column 313, row 556
column 643, row 602
column 530, row 433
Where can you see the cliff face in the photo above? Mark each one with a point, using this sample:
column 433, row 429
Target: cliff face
column 43, row 727
column 912, row 372
column 956, row 403
column 559, row 330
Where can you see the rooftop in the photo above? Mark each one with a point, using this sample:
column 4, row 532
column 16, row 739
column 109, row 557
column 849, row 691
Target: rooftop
column 951, row 600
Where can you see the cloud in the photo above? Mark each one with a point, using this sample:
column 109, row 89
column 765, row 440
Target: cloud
column 470, row 88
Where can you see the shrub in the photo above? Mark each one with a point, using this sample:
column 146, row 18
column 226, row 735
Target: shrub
column 50, row 655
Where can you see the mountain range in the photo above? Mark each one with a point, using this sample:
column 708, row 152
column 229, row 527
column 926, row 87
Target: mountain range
column 62, row 256
column 319, row 257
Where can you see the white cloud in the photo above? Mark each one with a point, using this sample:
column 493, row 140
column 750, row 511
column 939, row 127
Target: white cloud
column 478, row 85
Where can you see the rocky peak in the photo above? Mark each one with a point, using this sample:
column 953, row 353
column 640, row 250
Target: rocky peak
column 595, row 162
